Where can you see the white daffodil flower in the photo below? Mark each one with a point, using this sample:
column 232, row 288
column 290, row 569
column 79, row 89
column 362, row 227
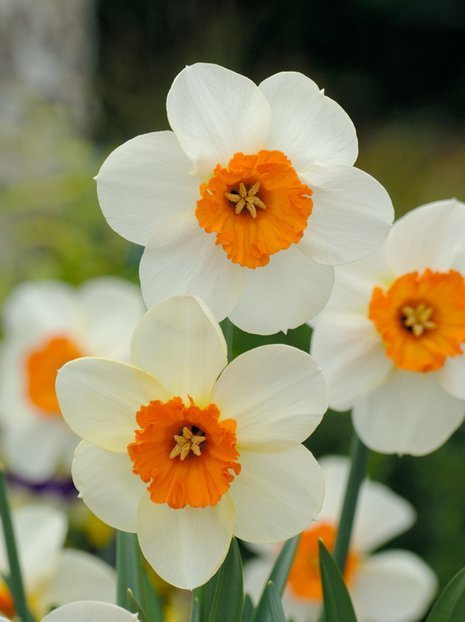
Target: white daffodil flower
column 391, row 586
column 52, row 575
column 188, row 451
column 391, row 341
column 250, row 201
column 47, row 323
column 88, row 611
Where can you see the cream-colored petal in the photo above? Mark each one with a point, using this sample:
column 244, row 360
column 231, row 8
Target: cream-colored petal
column 429, row 236
column 90, row 611
column 276, row 495
column 78, row 576
column 305, row 124
column 186, row 546
column 186, row 260
column 287, row 292
column 281, row 400
column 111, row 308
column 181, row 344
column 452, row 375
column 144, row 183
column 351, row 355
column 410, row 413
column 215, row 113
column 108, row 486
column 99, row 399
column 352, row 213
column 393, row 586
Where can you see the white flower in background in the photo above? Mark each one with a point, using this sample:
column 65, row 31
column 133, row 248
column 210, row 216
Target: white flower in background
column 52, row 575
column 391, row 586
column 250, row 201
column 47, row 323
column 88, row 611
column 188, row 451
column 391, row 341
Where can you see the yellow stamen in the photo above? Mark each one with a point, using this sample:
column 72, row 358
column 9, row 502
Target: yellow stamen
column 246, row 198
column 186, row 443
column 418, row 319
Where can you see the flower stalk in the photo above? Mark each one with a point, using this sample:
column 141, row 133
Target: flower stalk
column 15, row 582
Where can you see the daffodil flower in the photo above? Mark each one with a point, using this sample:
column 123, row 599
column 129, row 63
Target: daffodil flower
column 52, row 575
column 47, row 323
column 250, row 201
column 88, row 611
column 391, row 586
column 188, row 451
column 392, row 339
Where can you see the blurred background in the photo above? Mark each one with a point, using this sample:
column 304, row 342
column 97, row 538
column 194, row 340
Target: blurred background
column 78, row 77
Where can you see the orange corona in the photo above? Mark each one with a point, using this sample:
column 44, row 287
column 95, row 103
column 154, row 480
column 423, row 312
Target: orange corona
column 257, row 206
column 304, row 578
column 185, row 454
column 421, row 318
column 41, row 370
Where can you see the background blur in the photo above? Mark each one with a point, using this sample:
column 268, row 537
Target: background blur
column 77, row 77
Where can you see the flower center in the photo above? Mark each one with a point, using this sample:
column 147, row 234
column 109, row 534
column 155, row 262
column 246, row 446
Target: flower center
column 7, row 604
column 421, row 318
column 185, row 454
column 257, row 206
column 304, row 578
column 41, row 369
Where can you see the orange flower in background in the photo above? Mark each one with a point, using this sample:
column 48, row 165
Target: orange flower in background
column 173, row 451
column 250, row 201
column 392, row 339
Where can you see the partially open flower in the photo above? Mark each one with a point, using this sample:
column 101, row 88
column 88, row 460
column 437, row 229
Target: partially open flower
column 249, row 201
column 392, row 339
column 391, row 586
column 46, row 324
column 187, row 451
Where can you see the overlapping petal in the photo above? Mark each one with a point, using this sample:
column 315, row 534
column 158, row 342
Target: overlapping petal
column 452, row 376
column 282, row 397
column 108, row 486
column 276, row 495
column 182, row 345
column 90, row 611
column 186, row 546
column 99, row 399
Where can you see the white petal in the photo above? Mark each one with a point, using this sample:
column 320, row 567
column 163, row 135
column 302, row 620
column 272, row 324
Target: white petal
column 429, row 236
column 37, row 448
column 180, row 342
column 287, row 292
column 408, row 414
column 276, row 495
column 215, row 113
column 80, row 575
column 187, row 261
column 90, row 611
column 37, row 309
column 283, row 397
column 452, row 375
column 99, row 399
column 144, row 183
column 108, row 486
column 305, row 124
column 187, row 546
column 393, row 586
column 40, row 533
column 352, row 213
column 111, row 308
column 351, row 355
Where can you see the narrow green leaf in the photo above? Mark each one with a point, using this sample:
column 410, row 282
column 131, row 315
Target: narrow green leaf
column 152, row 603
column 195, row 610
column 136, row 607
column 279, row 574
column 228, row 597
column 273, row 610
column 450, row 606
column 337, row 604
column 248, row 610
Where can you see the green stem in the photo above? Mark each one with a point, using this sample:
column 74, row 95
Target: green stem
column 15, row 579
column 128, row 567
column 359, row 456
column 228, row 331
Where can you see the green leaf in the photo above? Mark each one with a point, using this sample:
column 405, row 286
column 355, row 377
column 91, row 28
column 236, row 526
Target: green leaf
column 136, row 607
column 152, row 603
column 248, row 610
column 450, row 606
column 273, row 610
column 195, row 610
column 337, row 604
